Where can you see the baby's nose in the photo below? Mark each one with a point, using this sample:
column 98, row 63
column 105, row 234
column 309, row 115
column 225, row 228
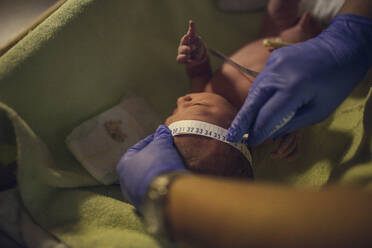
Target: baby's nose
column 183, row 99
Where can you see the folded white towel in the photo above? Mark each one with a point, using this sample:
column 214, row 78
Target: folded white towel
column 99, row 143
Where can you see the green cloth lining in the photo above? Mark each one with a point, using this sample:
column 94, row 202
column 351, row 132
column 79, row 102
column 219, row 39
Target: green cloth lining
column 75, row 65
column 89, row 53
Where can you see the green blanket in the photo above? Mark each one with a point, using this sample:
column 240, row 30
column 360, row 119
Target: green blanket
column 75, row 65
column 88, row 54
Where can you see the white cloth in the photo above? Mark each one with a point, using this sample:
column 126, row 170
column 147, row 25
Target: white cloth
column 99, row 143
column 322, row 10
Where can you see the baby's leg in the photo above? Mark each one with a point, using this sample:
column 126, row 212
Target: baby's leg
column 306, row 28
column 280, row 15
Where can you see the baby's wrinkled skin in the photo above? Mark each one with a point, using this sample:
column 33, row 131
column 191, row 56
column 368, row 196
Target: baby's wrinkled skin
column 205, row 106
column 218, row 97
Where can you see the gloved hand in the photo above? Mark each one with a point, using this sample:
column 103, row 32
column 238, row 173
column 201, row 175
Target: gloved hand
column 144, row 161
column 303, row 84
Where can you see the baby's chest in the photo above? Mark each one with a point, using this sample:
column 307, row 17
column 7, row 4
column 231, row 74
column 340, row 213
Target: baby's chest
column 231, row 84
column 234, row 84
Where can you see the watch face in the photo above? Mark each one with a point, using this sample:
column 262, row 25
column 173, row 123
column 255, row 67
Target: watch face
column 152, row 208
column 160, row 185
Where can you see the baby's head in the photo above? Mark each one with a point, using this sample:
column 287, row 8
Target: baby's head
column 207, row 155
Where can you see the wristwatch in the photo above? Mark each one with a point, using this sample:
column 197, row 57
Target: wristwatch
column 153, row 206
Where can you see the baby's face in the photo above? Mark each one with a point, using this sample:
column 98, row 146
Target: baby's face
column 215, row 157
column 207, row 107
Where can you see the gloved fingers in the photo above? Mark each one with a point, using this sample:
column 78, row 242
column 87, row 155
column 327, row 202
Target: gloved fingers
column 163, row 133
column 304, row 117
column 242, row 122
column 280, row 133
column 273, row 116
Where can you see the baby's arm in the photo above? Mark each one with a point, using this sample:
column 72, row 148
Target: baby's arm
column 193, row 53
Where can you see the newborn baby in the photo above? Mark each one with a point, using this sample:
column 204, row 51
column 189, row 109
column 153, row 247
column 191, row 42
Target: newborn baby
column 217, row 97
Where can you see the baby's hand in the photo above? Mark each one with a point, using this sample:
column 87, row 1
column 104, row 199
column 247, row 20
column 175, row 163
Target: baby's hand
column 287, row 146
column 191, row 50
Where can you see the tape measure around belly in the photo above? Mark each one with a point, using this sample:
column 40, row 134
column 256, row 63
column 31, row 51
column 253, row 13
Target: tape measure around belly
column 208, row 130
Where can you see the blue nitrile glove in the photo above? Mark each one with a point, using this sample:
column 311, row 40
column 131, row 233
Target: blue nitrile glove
column 308, row 80
column 149, row 158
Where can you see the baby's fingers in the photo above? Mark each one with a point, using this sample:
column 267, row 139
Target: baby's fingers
column 288, row 147
column 286, row 144
column 191, row 32
column 183, row 54
column 189, row 37
column 184, row 50
column 185, row 40
column 182, row 59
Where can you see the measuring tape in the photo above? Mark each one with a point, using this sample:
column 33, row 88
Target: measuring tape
column 208, row 130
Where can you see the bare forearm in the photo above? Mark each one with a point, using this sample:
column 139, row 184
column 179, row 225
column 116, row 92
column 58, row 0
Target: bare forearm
column 358, row 7
column 220, row 213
